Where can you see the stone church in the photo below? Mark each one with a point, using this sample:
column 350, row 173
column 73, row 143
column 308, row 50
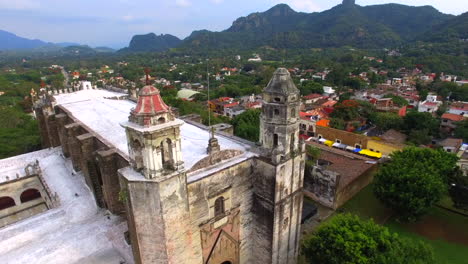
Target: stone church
column 187, row 193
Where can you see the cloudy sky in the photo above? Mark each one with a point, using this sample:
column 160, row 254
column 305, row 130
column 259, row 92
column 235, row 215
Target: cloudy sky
column 114, row 22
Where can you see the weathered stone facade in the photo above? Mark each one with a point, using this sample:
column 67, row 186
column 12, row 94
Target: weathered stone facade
column 232, row 206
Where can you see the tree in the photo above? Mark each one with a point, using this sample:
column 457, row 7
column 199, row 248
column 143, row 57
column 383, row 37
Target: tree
column 461, row 131
column 338, row 123
column 398, row 100
column 346, row 239
column 247, row 125
column 388, row 121
column 458, row 189
column 309, row 87
column 347, row 110
column 420, row 121
column 414, row 180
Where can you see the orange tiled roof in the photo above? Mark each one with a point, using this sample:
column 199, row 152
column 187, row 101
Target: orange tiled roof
column 452, row 117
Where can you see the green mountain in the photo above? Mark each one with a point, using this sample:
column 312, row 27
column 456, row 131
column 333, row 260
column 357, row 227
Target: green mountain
column 152, row 43
column 451, row 30
column 346, row 24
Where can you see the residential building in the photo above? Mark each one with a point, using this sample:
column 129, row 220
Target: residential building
column 449, row 121
column 234, row 110
column 219, row 105
column 459, row 108
column 451, row 145
column 337, row 176
column 430, row 105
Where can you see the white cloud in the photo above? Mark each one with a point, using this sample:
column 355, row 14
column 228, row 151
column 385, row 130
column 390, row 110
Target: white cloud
column 18, row 4
column 183, row 3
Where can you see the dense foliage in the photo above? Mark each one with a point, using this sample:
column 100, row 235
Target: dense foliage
column 461, row 131
column 348, row 240
column 388, row 120
column 414, row 180
column 247, row 125
column 18, row 132
column 420, row 127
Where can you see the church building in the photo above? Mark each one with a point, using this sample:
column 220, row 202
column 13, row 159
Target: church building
column 185, row 193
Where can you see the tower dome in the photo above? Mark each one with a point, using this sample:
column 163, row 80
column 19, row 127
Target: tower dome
column 150, row 109
column 281, row 83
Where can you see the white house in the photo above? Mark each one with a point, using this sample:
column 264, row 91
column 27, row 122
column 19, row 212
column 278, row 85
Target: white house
column 328, row 91
column 459, row 108
column 430, row 105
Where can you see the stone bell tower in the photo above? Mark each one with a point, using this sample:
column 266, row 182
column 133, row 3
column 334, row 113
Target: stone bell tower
column 154, row 186
column 153, row 136
column 279, row 127
column 282, row 167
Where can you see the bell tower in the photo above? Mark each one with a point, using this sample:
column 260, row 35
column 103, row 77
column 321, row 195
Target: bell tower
column 282, row 167
column 153, row 136
column 154, row 186
column 279, row 126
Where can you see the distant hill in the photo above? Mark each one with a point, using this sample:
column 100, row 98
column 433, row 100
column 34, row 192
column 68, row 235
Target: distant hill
column 345, row 24
column 9, row 41
column 152, row 42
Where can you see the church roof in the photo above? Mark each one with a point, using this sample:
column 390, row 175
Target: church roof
column 99, row 112
column 150, row 102
column 281, row 83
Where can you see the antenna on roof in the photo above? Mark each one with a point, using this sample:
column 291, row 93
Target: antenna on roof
column 208, row 103
column 147, row 72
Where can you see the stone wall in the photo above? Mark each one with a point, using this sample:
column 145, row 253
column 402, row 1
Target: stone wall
column 235, row 186
column 91, row 154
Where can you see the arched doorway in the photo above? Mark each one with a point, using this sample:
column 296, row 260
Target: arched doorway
column 6, row 202
column 29, row 195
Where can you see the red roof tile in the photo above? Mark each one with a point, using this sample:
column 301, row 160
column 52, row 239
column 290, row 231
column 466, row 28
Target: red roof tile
column 452, row 117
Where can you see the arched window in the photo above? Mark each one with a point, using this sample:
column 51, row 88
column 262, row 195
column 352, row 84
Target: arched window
column 293, row 112
column 161, row 120
column 138, row 154
column 227, row 262
column 275, row 140
column 277, row 99
column 166, row 154
column 219, row 206
column 6, row 202
column 29, row 195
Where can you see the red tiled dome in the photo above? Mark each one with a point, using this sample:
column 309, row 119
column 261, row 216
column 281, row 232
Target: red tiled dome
column 150, row 102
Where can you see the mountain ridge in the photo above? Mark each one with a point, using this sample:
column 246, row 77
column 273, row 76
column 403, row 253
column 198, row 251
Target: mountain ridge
column 373, row 26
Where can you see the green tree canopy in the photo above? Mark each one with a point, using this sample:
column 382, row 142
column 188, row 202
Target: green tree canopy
column 420, row 126
column 398, row 100
column 346, row 239
column 414, row 180
column 387, row 120
column 309, row 87
column 247, row 125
